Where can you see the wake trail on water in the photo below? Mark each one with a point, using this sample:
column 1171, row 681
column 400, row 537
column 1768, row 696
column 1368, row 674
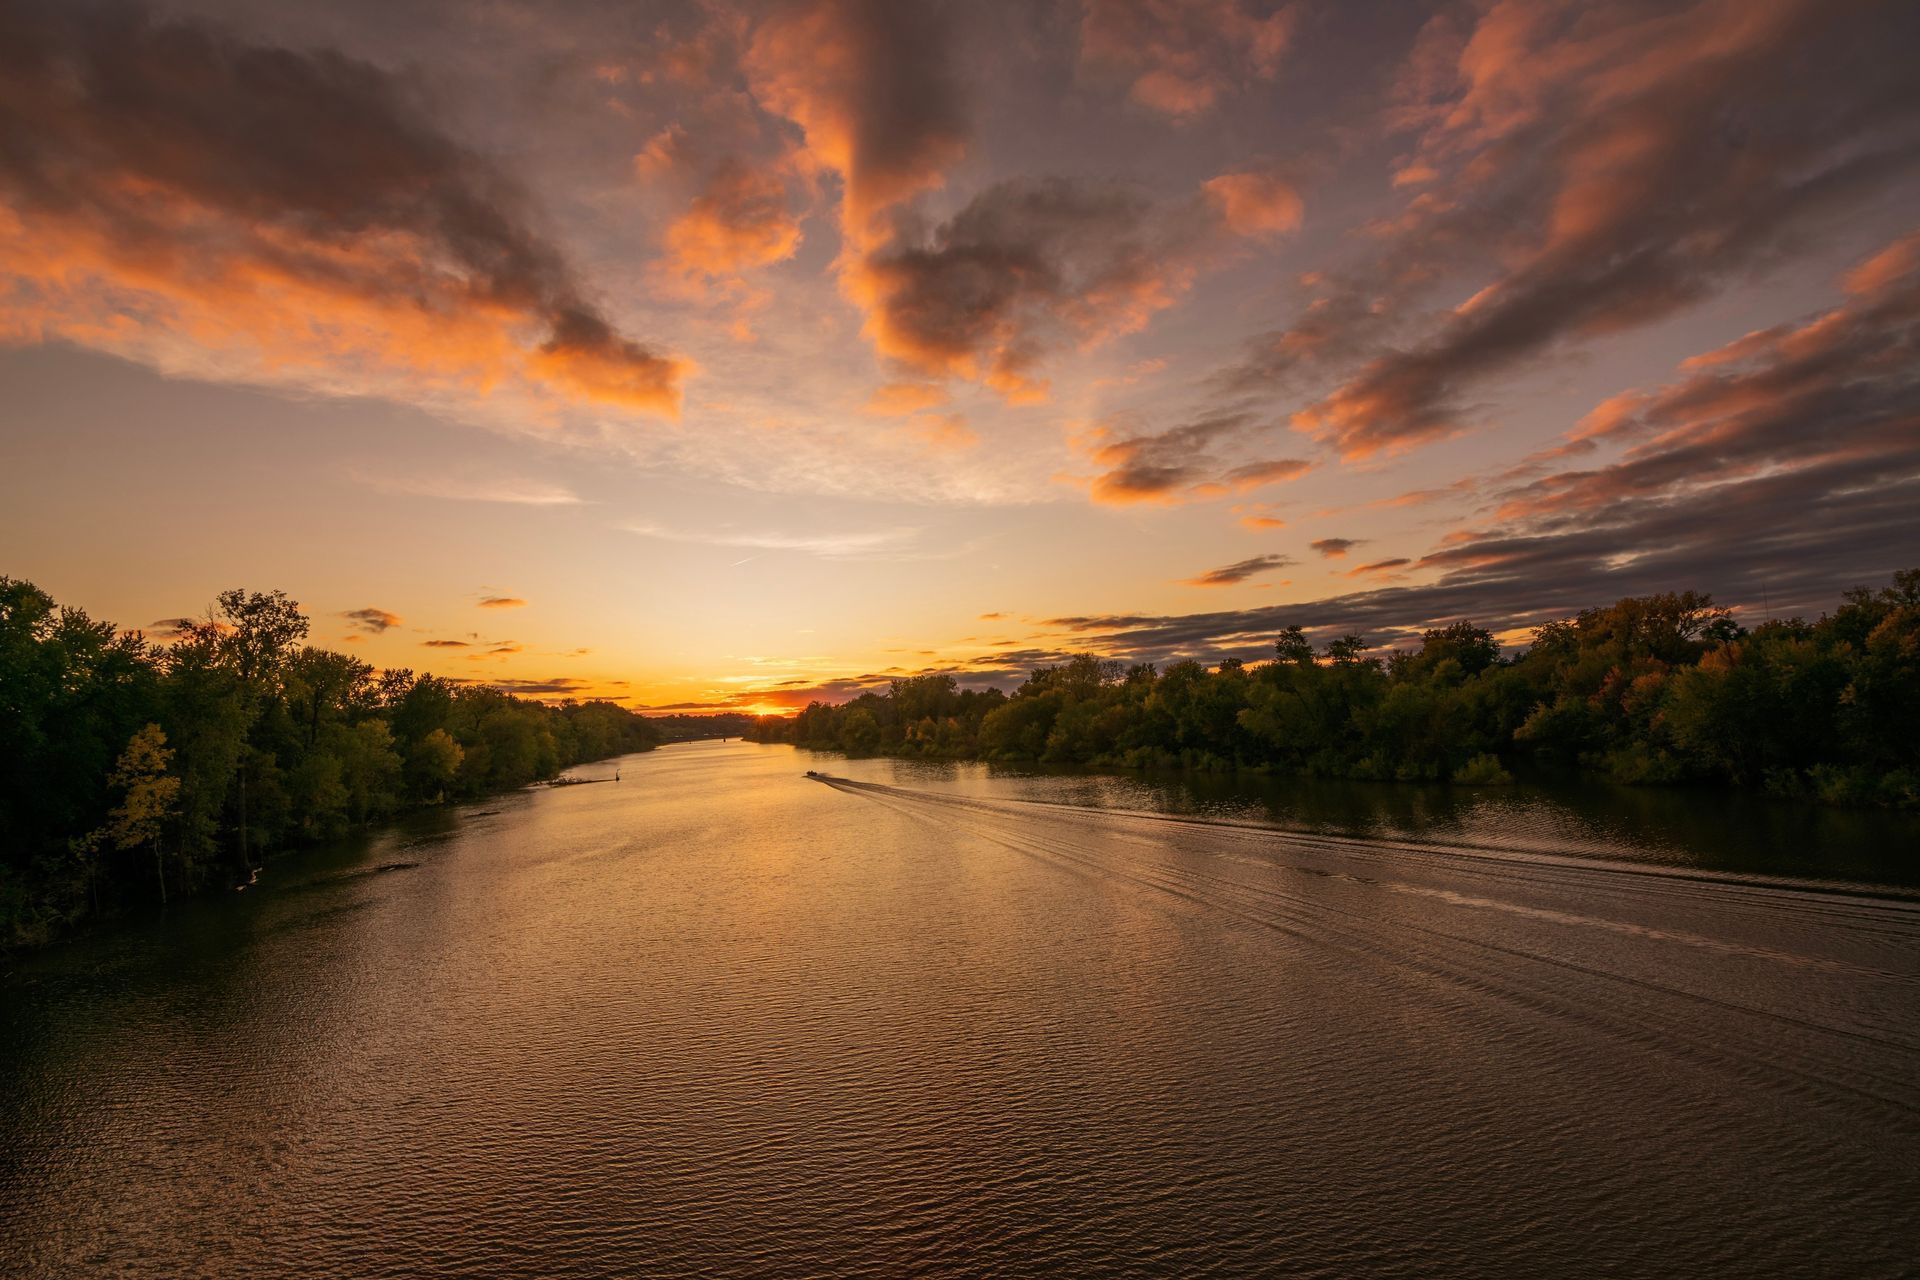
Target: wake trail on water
column 1800, row 986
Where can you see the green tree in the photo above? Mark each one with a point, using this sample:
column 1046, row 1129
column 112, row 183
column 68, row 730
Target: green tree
column 369, row 768
column 433, row 763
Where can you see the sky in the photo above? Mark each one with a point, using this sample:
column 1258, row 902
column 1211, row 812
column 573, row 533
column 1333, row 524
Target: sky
column 723, row 356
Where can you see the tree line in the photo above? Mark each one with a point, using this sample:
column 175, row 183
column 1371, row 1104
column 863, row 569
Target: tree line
column 136, row 771
column 1651, row 689
column 686, row 727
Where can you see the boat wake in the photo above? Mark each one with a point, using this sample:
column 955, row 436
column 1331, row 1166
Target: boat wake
column 1800, row 986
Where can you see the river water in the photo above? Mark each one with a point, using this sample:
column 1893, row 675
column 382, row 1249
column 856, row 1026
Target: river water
column 721, row 1019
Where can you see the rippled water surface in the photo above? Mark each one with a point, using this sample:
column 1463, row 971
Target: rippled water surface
column 720, row 1019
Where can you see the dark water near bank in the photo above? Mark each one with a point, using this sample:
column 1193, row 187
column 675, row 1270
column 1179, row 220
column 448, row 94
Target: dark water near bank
column 720, row 1020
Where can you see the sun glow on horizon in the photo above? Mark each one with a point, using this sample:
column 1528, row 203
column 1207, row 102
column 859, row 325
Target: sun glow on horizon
column 836, row 329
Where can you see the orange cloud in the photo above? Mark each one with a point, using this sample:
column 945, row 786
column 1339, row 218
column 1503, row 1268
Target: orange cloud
column 869, row 86
column 1885, row 267
column 596, row 363
column 740, row 220
column 1258, row 475
column 1259, row 518
column 1182, row 56
column 663, row 153
column 1254, row 204
column 1392, row 405
column 502, row 602
column 899, row 399
column 161, row 205
column 943, row 432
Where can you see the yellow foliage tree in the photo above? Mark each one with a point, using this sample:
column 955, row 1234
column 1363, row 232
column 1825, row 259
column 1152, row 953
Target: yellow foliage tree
column 151, row 794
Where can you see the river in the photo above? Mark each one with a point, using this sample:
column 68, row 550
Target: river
column 721, row 1019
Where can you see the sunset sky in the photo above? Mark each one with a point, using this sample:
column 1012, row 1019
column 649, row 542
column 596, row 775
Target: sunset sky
column 726, row 355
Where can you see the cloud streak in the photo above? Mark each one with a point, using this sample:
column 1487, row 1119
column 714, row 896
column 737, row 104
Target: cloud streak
column 514, row 490
column 1234, row 574
column 867, row 544
column 1181, row 464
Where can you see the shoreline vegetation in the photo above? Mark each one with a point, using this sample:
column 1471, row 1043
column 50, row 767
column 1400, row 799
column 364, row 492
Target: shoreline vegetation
column 138, row 772
column 1649, row 690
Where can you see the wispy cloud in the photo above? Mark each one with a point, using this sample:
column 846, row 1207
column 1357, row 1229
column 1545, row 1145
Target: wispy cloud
column 518, row 490
column 1240, row 571
column 868, row 544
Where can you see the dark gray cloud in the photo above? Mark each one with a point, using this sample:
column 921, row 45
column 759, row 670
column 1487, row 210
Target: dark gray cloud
column 373, row 621
column 1024, row 266
column 1334, row 548
column 1239, row 571
column 556, row 687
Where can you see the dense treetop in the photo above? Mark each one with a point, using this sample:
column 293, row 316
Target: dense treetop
column 134, row 770
column 1663, row 688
